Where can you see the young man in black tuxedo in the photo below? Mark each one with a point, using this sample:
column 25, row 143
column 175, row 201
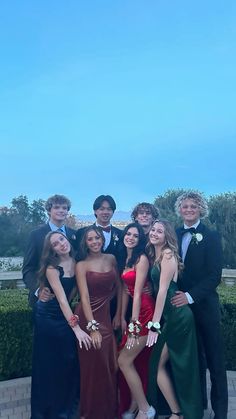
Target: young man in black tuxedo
column 57, row 207
column 200, row 249
column 104, row 207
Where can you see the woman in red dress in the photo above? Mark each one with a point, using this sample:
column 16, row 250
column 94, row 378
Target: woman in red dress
column 134, row 266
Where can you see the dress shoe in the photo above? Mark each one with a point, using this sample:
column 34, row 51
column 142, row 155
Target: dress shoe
column 150, row 413
column 129, row 415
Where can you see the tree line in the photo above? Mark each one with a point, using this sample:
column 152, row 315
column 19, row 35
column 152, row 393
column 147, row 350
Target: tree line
column 17, row 221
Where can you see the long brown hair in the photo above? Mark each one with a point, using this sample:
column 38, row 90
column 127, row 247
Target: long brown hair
column 83, row 249
column 170, row 243
column 49, row 256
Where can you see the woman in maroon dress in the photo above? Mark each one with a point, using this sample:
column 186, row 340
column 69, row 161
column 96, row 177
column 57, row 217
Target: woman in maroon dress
column 133, row 358
column 98, row 281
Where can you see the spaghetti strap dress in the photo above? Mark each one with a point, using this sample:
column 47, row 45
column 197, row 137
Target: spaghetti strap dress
column 179, row 334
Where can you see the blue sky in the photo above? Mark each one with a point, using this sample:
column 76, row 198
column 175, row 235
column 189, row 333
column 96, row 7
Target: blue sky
column 128, row 98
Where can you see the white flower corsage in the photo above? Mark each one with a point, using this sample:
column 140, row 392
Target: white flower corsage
column 92, row 325
column 154, row 327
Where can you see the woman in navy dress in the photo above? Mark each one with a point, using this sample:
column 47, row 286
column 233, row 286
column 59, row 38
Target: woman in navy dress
column 55, row 371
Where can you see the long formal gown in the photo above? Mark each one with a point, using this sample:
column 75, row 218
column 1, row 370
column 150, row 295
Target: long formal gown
column 179, row 334
column 55, row 370
column 141, row 362
column 98, row 367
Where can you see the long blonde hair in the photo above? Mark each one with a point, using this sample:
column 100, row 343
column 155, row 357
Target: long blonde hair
column 171, row 244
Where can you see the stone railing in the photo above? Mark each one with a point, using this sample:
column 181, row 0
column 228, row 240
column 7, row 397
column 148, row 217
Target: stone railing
column 228, row 277
column 11, row 276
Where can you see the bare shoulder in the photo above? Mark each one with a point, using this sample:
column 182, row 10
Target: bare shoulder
column 143, row 260
column 110, row 257
column 168, row 254
column 50, row 269
column 81, row 266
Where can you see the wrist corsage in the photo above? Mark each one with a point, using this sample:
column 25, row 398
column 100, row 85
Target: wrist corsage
column 134, row 328
column 92, row 326
column 73, row 321
column 154, row 327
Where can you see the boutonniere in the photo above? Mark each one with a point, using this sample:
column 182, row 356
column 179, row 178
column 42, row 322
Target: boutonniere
column 115, row 238
column 196, row 238
column 73, row 237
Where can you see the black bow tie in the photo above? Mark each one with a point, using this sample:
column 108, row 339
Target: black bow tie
column 191, row 230
column 106, row 229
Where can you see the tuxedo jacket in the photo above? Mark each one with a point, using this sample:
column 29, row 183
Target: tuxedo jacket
column 112, row 248
column 202, row 266
column 33, row 254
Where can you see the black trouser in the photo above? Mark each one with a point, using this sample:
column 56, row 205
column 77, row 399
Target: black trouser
column 211, row 353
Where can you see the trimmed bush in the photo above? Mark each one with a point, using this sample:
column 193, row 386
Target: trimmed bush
column 15, row 334
column 228, row 300
column 16, row 331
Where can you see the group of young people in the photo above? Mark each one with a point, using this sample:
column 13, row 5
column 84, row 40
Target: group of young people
column 155, row 285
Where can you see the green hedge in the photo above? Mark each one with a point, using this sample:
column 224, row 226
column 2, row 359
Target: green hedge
column 16, row 331
column 15, row 334
column 228, row 300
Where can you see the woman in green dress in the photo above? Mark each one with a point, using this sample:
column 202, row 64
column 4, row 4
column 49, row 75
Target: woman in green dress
column 176, row 340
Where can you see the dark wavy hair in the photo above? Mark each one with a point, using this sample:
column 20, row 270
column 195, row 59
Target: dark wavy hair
column 146, row 206
column 83, row 248
column 170, row 243
column 49, row 256
column 137, row 251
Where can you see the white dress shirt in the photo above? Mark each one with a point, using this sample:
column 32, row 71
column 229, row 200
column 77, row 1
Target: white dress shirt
column 187, row 237
column 107, row 236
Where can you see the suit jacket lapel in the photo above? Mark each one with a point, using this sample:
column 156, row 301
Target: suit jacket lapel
column 179, row 238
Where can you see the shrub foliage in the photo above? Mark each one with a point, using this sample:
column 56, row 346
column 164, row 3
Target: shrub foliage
column 16, row 331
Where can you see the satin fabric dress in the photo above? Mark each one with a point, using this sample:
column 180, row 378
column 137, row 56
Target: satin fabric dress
column 98, row 367
column 179, row 334
column 55, row 369
column 141, row 362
